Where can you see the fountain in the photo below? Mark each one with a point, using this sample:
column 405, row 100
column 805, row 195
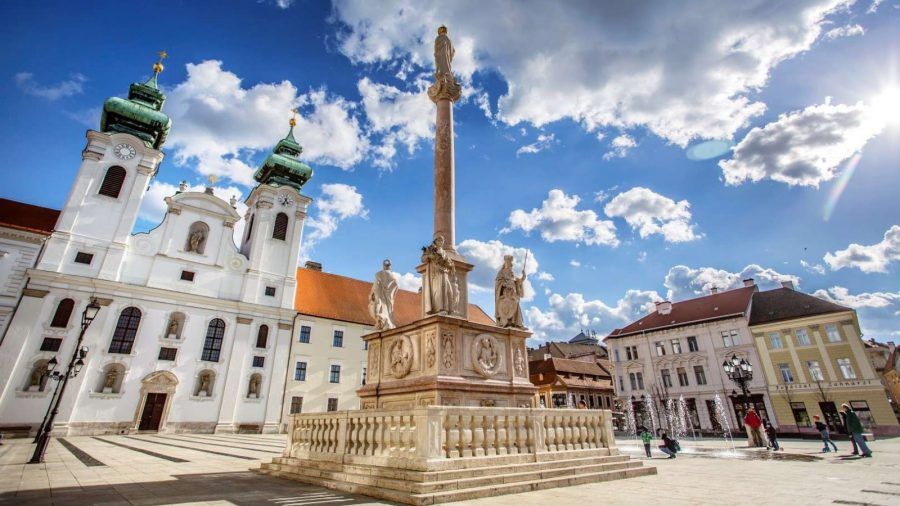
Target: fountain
column 651, row 410
column 722, row 416
column 684, row 416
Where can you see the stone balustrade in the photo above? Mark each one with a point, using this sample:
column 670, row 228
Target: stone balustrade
column 440, row 433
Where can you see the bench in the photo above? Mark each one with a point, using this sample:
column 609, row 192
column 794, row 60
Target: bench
column 15, row 431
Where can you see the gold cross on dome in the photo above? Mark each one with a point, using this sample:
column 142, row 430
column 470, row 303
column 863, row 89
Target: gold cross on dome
column 163, row 55
column 212, row 179
column 293, row 120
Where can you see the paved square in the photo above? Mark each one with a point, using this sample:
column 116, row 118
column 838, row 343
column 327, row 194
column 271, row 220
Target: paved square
column 214, row 469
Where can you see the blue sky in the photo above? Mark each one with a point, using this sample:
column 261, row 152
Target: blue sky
column 572, row 138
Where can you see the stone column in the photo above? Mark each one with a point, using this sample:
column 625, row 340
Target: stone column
column 444, row 174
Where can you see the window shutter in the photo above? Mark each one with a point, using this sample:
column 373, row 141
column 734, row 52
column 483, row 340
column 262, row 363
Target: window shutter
column 63, row 313
column 281, row 225
column 112, row 182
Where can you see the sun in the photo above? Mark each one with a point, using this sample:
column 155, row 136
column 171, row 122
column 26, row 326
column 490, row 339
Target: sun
column 886, row 105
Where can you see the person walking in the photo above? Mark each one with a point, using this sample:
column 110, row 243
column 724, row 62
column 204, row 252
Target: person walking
column 773, row 436
column 669, row 446
column 823, row 431
column 646, row 438
column 855, row 428
column 754, row 424
column 850, row 436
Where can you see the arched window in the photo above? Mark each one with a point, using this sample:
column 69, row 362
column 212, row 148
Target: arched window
column 112, row 182
column 126, row 330
column 262, row 336
column 63, row 313
column 196, row 238
column 281, row 226
column 212, row 346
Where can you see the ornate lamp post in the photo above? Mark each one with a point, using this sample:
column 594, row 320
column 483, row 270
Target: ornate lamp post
column 62, row 379
column 741, row 373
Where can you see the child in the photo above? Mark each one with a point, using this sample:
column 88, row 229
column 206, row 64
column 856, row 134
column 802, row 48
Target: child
column 646, row 438
column 772, row 435
column 823, row 431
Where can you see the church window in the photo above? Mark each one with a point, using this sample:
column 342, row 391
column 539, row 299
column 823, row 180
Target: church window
column 259, row 361
column 83, row 258
column 212, row 346
column 296, row 404
column 270, row 291
column 262, row 336
column 187, row 276
column 332, row 404
column 167, row 353
column 112, row 182
column 305, row 331
column 126, row 330
column 63, row 313
column 338, row 340
column 281, row 225
column 51, row 344
column 300, row 372
column 335, row 374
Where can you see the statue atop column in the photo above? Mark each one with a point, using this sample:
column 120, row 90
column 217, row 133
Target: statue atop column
column 381, row 298
column 508, row 292
column 445, row 85
column 440, row 291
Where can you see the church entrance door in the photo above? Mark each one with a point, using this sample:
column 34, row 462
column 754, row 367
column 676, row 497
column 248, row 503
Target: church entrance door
column 153, row 411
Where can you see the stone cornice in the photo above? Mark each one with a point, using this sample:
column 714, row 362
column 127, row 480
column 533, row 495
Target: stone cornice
column 22, row 235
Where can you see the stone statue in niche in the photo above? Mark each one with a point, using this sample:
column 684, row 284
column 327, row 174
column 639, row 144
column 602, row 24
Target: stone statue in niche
column 381, row 298
column 111, row 376
column 440, row 291
column 486, row 355
column 35, row 382
column 253, row 391
column 196, row 239
column 508, row 292
column 205, row 381
column 172, row 333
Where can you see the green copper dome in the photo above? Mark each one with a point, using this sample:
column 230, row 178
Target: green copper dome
column 140, row 114
column 282, row 168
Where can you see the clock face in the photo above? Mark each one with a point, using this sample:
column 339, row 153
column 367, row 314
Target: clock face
column 286, row 201
column 124, row 151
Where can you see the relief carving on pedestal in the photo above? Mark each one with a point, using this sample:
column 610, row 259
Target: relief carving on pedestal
column 447, row 352
column 374, row 361
column 430, row 352
column 486, row 355
column 401, row 355
column 520, row 362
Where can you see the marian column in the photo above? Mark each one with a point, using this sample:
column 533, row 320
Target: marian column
column 443, row 93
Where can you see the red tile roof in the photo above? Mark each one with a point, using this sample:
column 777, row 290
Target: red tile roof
column 711, row 307
column 21, row 216
column 346, row 299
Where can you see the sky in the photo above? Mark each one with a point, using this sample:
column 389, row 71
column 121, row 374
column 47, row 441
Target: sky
column 637, row 151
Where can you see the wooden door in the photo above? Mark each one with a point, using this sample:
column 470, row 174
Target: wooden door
column 153, row 411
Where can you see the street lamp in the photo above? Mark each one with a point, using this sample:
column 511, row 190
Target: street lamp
column 740, row 371
column 62, row 379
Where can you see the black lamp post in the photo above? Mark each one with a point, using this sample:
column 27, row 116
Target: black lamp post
column 62, row 379
column 741, row 372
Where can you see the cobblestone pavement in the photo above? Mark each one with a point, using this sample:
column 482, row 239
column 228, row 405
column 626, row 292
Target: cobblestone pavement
column 213, row 469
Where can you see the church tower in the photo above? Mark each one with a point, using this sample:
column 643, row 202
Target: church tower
column 275, row 218
column 117, row 165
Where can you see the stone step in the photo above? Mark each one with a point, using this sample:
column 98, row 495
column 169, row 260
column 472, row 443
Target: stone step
column 439, row 483
column 472, row 492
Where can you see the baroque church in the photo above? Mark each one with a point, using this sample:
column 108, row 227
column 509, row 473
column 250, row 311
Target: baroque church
column 194, row 332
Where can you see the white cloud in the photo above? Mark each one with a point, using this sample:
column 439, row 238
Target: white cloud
column 338, row 202
column 153, row 207
column 574, row 263
column 543, row 141
column 565, row 316
column 845, row 31
column 873, row 258
column 684, row 282
column 545, row 276
column 802, row 147
column 74, row 85
column 877, row 311
column 408, row 281
column 619, row 147
column 559, row 220
column 488, row 258
column 221, row 123
column 623, row 65
column 651, row 213
column 642, row 257
column 604, row 195
column 401, row 117
column 813, row 268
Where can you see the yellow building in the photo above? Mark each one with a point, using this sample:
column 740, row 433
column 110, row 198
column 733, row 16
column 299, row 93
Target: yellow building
column 814, row 360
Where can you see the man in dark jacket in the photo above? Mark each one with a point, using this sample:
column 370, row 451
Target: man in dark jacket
column 855, row 428
column 669, row 446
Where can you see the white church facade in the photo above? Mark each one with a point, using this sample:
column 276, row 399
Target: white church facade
column 194, row 333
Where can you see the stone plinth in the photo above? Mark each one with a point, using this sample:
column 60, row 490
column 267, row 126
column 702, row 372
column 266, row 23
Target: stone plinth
column 447, row 361
column 463, row 268
column 441, row 454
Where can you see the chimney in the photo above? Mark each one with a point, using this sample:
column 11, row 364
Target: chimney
column 664, row 307
column 714, row 290
column 547, row 356
column 313, row 266
column 749, row 282
column 787, row 284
